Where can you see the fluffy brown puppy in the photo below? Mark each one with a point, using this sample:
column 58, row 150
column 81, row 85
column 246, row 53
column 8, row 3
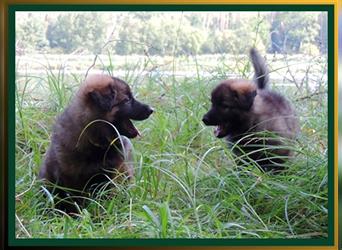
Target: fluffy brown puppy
column 244, row 110
column 89, row 143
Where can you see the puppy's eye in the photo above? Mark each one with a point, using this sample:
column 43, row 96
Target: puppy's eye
column 235, row 95
column 124, row 101
column 128, row 101
column 130, row 97
column 112, row 91
column 225, row 105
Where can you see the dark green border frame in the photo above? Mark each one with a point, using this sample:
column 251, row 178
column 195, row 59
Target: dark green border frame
column 12, row 241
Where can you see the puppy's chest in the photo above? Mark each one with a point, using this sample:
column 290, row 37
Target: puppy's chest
column 96, row 160
column 243, row 133
column 238, row 128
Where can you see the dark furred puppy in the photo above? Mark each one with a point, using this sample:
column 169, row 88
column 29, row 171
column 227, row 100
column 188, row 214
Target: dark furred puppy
column 85, row 147
column 243, row 110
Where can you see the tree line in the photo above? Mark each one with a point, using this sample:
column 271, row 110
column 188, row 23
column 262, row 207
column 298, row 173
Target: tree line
column 172, row 33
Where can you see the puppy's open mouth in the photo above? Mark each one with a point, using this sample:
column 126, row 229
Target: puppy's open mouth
column 221, row 131
column 127, row 128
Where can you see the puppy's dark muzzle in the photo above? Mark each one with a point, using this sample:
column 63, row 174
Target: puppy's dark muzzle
column 209, row 119
column 140, row 111
column 206, row 120
column 134, row 110
column 148, row 111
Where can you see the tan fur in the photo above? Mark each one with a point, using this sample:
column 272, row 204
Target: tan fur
column 241, row 109
column 80, row 154
column 280, row 120
column 241, row 86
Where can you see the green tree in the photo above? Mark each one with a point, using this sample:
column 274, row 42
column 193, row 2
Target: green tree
column 160, row 34
column 30, row 33
column 322, row 38
column 294, row 30
column 129, row 38
column 73, row 31
column 237, row 40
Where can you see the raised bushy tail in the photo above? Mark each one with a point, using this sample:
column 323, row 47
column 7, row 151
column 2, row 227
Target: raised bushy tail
column 260, row 68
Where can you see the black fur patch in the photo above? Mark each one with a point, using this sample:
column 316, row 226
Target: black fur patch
column 104, row 101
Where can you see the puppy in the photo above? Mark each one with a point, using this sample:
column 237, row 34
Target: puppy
column 255, row 119
column 89, row 143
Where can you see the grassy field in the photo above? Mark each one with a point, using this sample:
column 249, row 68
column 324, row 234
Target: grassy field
column 186, row 183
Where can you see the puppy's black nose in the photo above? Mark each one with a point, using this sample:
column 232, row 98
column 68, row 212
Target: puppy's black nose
column 150, row 110
column 205, row 119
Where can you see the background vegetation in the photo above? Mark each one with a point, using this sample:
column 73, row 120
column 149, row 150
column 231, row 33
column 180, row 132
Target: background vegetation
column 173, row 33
column 187, row 183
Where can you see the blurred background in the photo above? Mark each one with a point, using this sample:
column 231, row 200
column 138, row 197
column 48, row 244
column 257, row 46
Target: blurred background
column 138, row 45
column 196, row 32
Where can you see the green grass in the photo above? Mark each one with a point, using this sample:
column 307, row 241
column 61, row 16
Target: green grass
column 187, row 184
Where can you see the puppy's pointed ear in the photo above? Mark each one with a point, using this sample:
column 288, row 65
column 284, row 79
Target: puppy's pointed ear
column 104, row 99
column 245, row 99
